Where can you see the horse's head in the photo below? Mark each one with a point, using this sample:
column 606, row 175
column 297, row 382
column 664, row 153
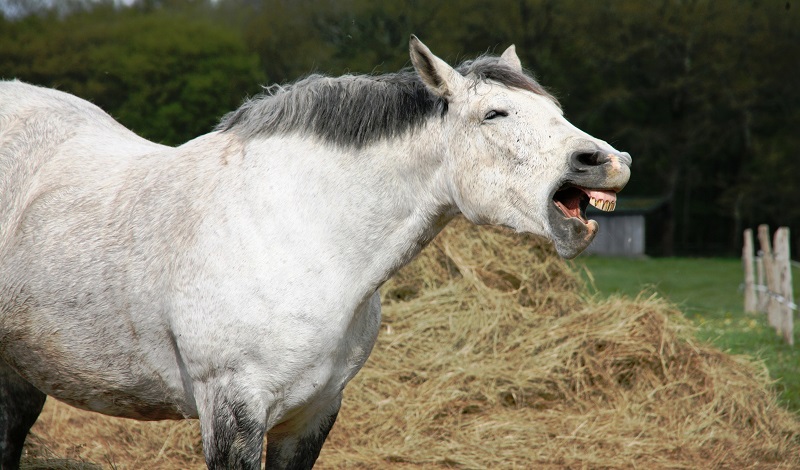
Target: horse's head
column 514, row 160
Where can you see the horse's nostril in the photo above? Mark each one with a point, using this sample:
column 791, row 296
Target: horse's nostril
column 584, row 159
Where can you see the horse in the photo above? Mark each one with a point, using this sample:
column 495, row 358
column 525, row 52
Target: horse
column 234, row 279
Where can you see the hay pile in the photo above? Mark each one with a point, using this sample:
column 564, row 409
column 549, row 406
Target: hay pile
column 491, row 356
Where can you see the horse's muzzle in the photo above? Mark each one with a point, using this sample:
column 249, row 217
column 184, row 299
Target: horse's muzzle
column 608, row 170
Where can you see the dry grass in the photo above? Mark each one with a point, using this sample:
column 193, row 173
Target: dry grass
column 491, row 356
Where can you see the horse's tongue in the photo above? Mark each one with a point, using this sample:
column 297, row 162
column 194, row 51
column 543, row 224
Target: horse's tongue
column 603, row 200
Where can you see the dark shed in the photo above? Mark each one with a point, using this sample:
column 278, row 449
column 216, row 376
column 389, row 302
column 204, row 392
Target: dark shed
column 622, row 232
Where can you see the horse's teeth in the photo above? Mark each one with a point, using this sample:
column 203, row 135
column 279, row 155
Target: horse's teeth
column 603, row 205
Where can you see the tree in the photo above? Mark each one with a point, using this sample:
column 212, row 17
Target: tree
column 702, row 93
column 168, row 76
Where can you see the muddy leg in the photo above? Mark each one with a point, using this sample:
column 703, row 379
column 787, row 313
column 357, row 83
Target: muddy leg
column 298, row 449
column 20, row 405
column 233, row 432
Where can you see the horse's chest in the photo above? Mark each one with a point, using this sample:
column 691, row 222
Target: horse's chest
column 350, row 350
column 317, row 375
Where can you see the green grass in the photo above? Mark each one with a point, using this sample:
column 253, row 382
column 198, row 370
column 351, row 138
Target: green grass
column 707, row 291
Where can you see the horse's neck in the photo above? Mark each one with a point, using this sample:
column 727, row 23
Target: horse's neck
column 371, row 210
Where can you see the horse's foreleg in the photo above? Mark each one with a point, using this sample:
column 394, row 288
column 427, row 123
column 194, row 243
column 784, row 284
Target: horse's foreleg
column 233, row 431
column 20, row 405
column 296, row 446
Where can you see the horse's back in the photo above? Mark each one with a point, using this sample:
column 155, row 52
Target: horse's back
column 47, row 136
column 33, row 117
column 34, row 121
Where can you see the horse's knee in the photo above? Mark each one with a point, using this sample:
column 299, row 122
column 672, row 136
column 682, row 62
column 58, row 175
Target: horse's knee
column 20, row 405
column 298, row 449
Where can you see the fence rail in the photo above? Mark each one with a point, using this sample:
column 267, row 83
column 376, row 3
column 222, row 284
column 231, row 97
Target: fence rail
column 768, row 287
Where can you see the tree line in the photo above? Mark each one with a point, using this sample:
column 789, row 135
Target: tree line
column 702, row 93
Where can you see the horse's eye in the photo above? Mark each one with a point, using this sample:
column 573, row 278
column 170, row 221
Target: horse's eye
column 494, row 114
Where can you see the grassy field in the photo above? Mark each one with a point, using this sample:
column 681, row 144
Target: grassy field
column 708, row 292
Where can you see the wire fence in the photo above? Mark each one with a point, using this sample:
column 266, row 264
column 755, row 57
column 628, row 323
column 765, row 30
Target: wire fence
column 768, row 279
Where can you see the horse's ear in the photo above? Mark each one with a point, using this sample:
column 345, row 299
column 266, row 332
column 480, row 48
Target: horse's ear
column 443, row 80
column 511, row 59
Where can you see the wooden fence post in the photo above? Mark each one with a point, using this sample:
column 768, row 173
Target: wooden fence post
column 761, row 286
column 782, row 261
column 750, row 300
column 773, row 307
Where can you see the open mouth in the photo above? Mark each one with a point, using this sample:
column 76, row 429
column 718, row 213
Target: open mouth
column 594, row 179
column 573, row 201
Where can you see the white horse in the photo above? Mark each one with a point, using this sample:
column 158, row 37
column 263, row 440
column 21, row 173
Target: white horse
column 234, row 279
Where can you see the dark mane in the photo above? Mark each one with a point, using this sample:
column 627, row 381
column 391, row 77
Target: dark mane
column 488, row 68
column 355, row 110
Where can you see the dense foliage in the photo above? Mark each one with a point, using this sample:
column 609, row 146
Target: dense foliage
column 703, row 94
column 167, row 75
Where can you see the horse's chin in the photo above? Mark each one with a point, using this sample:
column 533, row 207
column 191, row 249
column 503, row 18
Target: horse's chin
column 570, row 235
column 570, row 229
column 573, row 236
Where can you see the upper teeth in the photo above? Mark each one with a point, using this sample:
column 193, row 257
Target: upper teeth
column 603, row 205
